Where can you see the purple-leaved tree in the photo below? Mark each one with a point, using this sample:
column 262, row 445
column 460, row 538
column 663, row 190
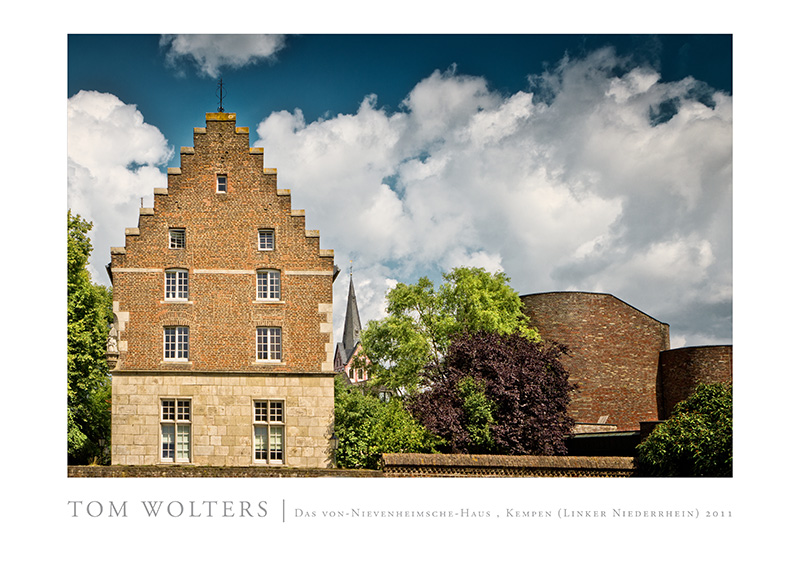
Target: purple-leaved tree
column 497, row 394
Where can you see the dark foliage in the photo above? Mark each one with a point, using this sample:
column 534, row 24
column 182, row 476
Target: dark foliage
column 498, row 394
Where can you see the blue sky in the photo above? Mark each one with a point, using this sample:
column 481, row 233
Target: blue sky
column 571, row 162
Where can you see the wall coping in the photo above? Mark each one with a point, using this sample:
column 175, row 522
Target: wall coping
column 496, row 461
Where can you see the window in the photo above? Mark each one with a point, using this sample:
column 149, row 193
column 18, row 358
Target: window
column 268, row 285
column 268, row 344
column 177, row 238
column 222, row 183
column 268, row 431
column 266, row 240
column 176, row 430
column 176, row 284
column 176, row 343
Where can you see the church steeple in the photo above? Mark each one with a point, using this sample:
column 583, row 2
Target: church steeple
column 352, row 322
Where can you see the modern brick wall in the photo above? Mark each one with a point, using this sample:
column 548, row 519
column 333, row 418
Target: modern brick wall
column 681, row 370
column 613, row 354
column 222, row 311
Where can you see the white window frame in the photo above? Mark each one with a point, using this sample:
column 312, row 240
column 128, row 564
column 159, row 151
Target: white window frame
column 176, row 343
column 222, row 183
column 269, row 344
column 176, row 285
column 177, row 238
column 266, row 240
column 268, row 285
column 175, row 430
column 269, row 431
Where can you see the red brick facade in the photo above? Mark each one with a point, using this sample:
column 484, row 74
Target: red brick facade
column 613, row 354
column 681, row 370
column 221, row 256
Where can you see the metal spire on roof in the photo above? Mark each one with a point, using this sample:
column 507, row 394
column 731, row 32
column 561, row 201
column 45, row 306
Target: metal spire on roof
column 221, row 92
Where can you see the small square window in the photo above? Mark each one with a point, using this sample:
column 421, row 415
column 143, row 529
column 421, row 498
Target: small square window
column 222, row 183
column 266, row 240
column 177, row 238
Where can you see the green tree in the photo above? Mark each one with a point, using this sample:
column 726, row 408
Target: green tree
column 422, row 320
column 88, row 316
column 367, row 427
column 697, row 439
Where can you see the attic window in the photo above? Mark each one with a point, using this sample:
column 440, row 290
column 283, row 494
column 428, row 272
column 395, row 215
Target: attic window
column 177, row 238
column 222, row 183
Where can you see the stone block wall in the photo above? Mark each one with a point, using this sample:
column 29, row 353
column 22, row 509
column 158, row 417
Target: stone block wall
column 222, row 416
column 613, row 354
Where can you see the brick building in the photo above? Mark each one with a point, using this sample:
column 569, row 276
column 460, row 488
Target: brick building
column 681, row 370
column 222, row 343
column 621, row 360
column 613, row 356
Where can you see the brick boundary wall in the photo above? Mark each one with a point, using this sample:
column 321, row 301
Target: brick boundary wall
column 394, row 465
column 484, row 465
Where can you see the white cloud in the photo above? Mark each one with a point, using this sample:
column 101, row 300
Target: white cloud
column 594, row 179
column 581, row 185
column 113, row 159
column 211, row 53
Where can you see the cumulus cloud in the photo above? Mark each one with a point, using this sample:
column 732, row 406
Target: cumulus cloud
column 113, row 158
column 209, row 54
column 599, row 177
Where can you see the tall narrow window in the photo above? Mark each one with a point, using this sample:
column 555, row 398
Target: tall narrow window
column 266, row 240
column 176, row 284
column 176, row 343
column 268, row 285
column 222, row 183
column 268, row 344
column 176, row 430
column 268, row 431
column 177, row 238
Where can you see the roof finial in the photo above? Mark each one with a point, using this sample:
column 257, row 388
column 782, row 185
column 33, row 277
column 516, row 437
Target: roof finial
column 221, row 92
column 351, row 269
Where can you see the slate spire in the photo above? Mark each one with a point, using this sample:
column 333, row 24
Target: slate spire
column 352, row 322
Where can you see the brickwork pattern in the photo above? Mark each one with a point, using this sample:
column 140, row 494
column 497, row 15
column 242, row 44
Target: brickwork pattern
column 222, row 311
column 222, row 258
column 483, row 465
column 613, row 354
column 681, row 370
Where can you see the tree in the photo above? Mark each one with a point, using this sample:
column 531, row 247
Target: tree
column 495, row 393
column 696, row 440
column 88, row 316
column 366, row 427
column 421, row 320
